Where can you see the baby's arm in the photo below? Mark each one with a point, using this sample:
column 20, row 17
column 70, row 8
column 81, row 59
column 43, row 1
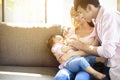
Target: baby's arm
column 65, row 57
column 65, row 49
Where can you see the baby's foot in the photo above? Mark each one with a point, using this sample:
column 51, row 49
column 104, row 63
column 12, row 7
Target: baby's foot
column 99, row 75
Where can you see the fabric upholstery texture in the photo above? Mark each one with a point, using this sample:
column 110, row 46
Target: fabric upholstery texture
column 25, row 50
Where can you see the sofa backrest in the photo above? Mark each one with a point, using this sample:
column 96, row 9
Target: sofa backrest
column 26, row 46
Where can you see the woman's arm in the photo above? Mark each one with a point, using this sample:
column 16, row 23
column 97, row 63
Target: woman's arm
column 65, row 49
column 65, row 57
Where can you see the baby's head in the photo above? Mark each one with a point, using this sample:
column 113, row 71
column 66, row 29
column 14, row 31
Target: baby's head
column 57, row 38
column 54, row 39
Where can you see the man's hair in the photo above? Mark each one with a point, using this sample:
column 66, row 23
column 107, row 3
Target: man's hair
column 84, row 3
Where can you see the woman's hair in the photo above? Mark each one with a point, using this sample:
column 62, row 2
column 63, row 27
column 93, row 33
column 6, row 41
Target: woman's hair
column 74, row 13
column 84, row 3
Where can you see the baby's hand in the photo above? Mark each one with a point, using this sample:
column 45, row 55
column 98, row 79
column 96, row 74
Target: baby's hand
column 70, row 40
column 65, row 49
column 66, row 32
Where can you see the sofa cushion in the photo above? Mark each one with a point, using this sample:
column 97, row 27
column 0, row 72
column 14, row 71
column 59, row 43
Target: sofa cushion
column 27, row 73
column 26, row 46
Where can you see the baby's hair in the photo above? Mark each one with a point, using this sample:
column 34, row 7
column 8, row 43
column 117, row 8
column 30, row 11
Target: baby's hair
column 50, row 40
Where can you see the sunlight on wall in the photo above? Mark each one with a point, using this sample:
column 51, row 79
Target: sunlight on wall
column 58, row 11
column 54, row 11
column 0, row 2
column 67, row 18
column 111, row 4
column 22, row 12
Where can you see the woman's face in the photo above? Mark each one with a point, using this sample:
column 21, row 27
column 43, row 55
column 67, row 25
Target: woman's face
column 77, row 18
column 86, row 13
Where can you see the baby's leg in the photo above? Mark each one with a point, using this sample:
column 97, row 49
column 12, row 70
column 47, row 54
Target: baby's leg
column 95, row 73
column 78, row 63
column 89, row 69
column 75, row 64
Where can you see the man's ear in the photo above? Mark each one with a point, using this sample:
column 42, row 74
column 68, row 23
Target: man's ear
column 89, row 7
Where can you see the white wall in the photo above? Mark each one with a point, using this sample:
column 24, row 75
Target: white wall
column 59, row 12
column 109, row 3
column 66, row 17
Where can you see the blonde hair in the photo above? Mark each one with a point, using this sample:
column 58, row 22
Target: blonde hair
column 73, row 13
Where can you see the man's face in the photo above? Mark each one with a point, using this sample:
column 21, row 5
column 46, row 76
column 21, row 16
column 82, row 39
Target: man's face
column 86, row 13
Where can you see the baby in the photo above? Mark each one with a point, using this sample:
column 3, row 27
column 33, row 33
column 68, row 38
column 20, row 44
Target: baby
column 76, row 63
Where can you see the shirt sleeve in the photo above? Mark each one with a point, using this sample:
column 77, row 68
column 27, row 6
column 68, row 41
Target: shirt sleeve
column 109, row 36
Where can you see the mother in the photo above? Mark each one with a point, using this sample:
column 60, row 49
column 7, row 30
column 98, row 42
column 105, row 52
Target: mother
column 85, row 32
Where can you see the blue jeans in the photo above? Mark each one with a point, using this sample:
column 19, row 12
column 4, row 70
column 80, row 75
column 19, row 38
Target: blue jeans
column 65, row 74
column 78, row 63
column 103, row 69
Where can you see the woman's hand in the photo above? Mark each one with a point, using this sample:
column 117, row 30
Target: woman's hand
column 78, row 44
column 89, row 49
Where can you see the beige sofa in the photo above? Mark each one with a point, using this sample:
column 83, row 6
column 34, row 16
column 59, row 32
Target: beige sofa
column 24, row 54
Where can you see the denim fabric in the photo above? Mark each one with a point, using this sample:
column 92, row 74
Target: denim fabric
column 82, row 75
column 65, row 74
column 78, row 63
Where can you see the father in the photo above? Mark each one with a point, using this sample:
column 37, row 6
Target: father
column 107, row 25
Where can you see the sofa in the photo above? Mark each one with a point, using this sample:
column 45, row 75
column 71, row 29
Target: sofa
column 24, row 54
